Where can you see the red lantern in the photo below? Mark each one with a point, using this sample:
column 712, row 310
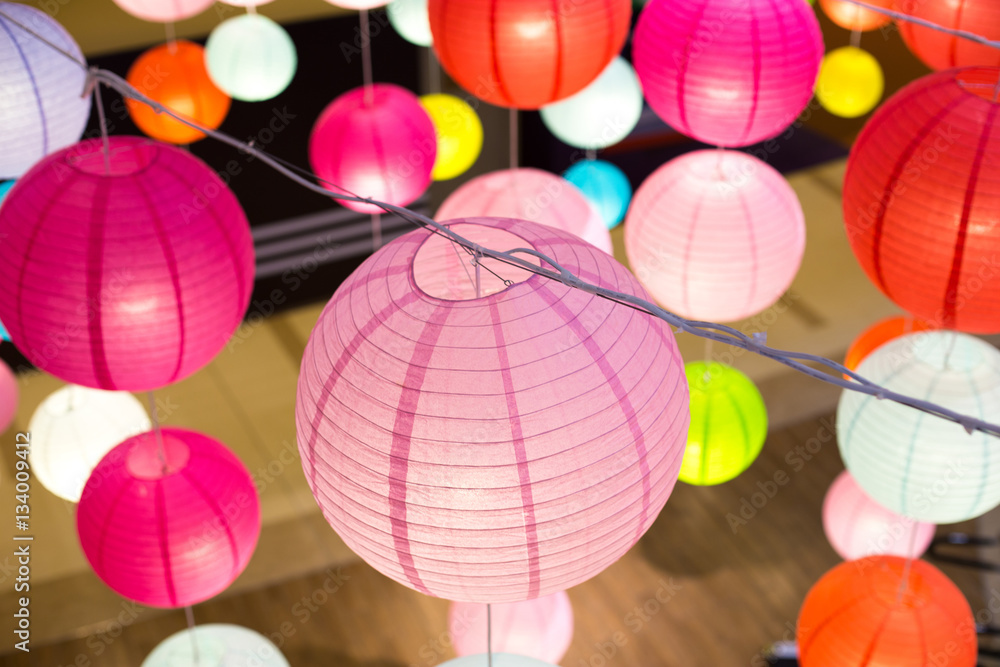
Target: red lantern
column 940, row 50
column 527, row 53
column 921, row 197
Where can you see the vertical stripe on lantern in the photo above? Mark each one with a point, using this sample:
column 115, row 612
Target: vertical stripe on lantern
column 494, row 51
column 560, row 51
column 682, row 69
column 34, row 86
column 953, row 47
column 755, row 45
column 95, row 273
column 164, row 535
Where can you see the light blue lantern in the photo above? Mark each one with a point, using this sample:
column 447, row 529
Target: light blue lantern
column 605, row 186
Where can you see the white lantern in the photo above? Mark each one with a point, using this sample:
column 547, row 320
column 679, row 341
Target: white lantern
column 74, row 428
column 540, row 628
column 217, row 645
column 250, row 57
column 41, row 108
column 913, row 463
column 498, row 660
column 411, row 21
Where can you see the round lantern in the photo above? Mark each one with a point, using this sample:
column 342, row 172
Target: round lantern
column 164, row 11
column 853, row 17
column 358, row 4
column 529, row 194
column 883, row 611
column 169, row 519
column 175, row 76
column 541, row 628
column 857, row 526
column 9, row 394
column 941, row 50
column 74, row 428
column 850, row 82
column 131, row 279
column 459, row 134
column 715, row 235
column 216, row 644
column 602, row 114
column 379, row 144
column 494, row 444
column 251, row 57
column 245, row 3
column 527, row 54
column 693, row 58
column 919, row 200
column 913, row 464
column 44, row 107
column 411, row 20
column 605, row 186
column 496, row 660
column 879, row 334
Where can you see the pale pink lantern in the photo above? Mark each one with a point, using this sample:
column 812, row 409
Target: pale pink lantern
column 728, row 72
column 127, row 275
column 529, row 194
column 858, row 527
column 715, row 235
column 164, row 11
column 9, row 394
column 541, row 628
column 358, row 4
column 490, row 449
column 170, row 519
column 378, row 143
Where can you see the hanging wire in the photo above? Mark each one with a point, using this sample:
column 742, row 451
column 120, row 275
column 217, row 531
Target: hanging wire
column 900, row 16
column 489, row 635
column 157, row 433
column 189, row 615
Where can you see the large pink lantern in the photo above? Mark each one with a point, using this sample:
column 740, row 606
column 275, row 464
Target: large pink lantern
column 728, row 72
column 9, row 394
column 165, row 11
column 715, row 235
column 377, row 143
column 529, row 194
column 541, row 628
column 126, row 274
column 490, row 449
column 169, row 519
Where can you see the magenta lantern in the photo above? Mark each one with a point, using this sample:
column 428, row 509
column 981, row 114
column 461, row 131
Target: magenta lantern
column 490, row 449
column 8, row 397
column 169, row 519
column 728, row 72
column 529, row 194
column 379, row 144
column 165, row 11
column 541, row 628
column 129, row 280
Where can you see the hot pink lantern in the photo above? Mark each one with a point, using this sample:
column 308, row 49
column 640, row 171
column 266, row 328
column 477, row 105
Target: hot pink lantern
column 164, row 11
column 171, row 524
column 727, row 72
column 715, row 235
column 490, row 449
column 858, row 527
column 541, row 628
column 128, row 280
column 529, row 194
column 9, row 394
column 379, row 144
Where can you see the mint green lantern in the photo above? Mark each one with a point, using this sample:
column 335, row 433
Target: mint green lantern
column 250, row 57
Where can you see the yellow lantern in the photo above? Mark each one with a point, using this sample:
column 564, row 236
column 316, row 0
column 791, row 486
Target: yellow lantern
column 459, row 134
column 850, row 82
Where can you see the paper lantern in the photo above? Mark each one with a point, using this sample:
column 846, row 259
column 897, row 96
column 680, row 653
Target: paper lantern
column 879, row 334
column 169, row 525
column 175, row 76
column 9, row 394
column 909, row 462
column 605, row 186
column 384, row 148
column 529, row 53
column 602, row 114
column 850, row 82
column 857, row 526
column 410, row 19
column 358, row 4
column 728, row 424
column 859, row 614
column 72, row 430
column 217, row 644
column 490, row 449
column 541, row 628
column 245, row 3
column 853, row 17
column 44, row 108
column 715, row 235
column 251, row 57
column 129, row 281
column 694, row 60
column 459, row 134
column 528, row 194
column 942, row 51
column 164, row 11
column 496, row 660
column 920, row 200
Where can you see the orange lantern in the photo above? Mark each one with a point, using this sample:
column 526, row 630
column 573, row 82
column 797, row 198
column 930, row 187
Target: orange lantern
column 940, row 50
column 878, row 611
column 175, row 76
column 879, row 334
column 853, row 17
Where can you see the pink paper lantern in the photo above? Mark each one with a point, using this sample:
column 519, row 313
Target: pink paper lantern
column 541, row 628
column 169, row 527
column 358, row 4
column 9, row 394
column 128, row 281
column 165, row 11
column 383, row 147
column 529, row 194
column 715, row 235
column 858, row 527
column 490, row 449
column 728, row 72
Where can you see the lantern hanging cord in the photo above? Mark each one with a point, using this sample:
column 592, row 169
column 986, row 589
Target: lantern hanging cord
column 901, row 16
